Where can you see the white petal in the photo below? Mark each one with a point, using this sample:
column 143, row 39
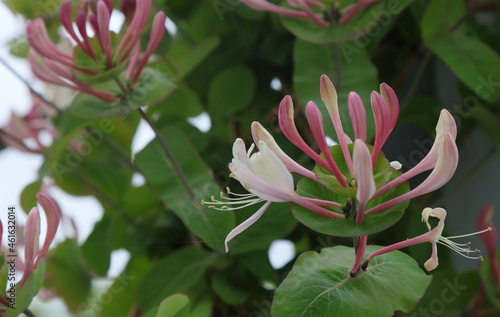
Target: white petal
column 245, row 224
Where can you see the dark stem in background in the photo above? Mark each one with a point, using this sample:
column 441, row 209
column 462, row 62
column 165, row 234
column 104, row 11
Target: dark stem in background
column 18, row 141
column 418, row 77
column 28, row 313
column 470, row 10
column 15, row 73
column 170, row 155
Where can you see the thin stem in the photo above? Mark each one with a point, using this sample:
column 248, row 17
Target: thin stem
column 28, row 313
column 15, row 73
column 360, row 252
column 170, row 155
column 18, row 141
column 418, row 77
column 470, row 10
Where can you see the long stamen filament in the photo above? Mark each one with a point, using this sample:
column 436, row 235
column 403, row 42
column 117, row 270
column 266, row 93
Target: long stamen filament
column 240, row 202
column 470, row 234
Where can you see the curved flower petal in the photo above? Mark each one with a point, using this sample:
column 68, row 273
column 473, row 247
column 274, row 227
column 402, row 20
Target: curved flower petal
column 287, row 125
column 271, row 169
column 31, row 243
column 315, row 120
column 245, row 224
column 53, row 215
column 446, row 124
column 364, row 177
column 329, row 97
column 358, row 116
column 445, row 167
column 261, row 134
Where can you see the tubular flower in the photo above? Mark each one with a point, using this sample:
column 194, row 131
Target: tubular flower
column 267, row 179
column 355, row 172
column 434, row 236
column 304, row 9
column 94, row 56
column 442, row 158
column 32, row 254
column 29, row 127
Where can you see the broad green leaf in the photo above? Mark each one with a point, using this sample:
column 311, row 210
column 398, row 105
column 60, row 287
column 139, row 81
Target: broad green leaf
column 121, row 295
column 175, row 273
column 151, row 88
column 332, row 191
column 176, row 305
column 28, row 196
column 227, row 290
column 210, row 225
column 231, row 91
column 469, row 58
column 367, row 22
column 492, row 291
column 449, row 294
column 97, row 248
column 319, row 285
column 349, row 71
column 257, row 262
column 67, row 273
column 184, row 57
column 24, row 296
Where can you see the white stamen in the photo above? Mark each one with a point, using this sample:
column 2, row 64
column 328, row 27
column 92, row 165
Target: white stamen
column 230, row 203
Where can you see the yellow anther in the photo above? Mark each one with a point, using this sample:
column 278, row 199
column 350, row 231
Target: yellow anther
column 202, row 202
column 228, row 191
column 213, row 198
column 222, row 195
column 481, row 258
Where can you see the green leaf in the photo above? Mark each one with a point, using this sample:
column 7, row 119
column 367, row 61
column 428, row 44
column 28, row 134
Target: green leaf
column 97, row 248
column 231, row 90
column 28, row 196
column 175, row 273
column 67, row 273
column 121, row 296
column 349, row 71
column 319, row 285
column 24, row 297
column 210, row 225
column 184, row 57
column 176, row 305
column 257, row 262
column 467, row 56
column 227, row 290
column 151, row 88
column 369, row 21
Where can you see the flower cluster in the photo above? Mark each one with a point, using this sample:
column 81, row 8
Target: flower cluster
column 94, row 56
column 266, row 174
column 304, row 10
column 32, row 253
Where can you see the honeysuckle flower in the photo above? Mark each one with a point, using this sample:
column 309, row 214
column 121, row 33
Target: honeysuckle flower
column 267, row 178
column 32, row 254
column 20, row 129
column 442, row 158
column 304, row 11
column 51, row 64
column 434, row 236
column 489, row 239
